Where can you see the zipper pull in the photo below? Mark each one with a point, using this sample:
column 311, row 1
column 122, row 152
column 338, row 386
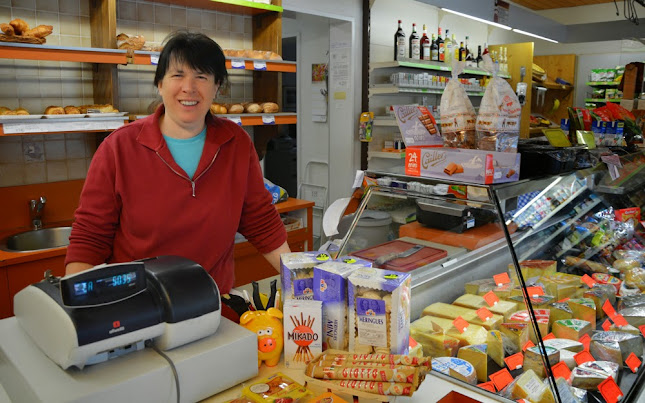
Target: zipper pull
column 193, row 185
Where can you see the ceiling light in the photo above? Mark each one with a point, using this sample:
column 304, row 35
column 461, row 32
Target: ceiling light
column 533, row 35
column 477, row 19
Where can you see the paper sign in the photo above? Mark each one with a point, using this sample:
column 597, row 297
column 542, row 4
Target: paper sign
column 587, row 138
column 460, row 324
column 606, row 325
column 608, row 309
column 491, row 299
column 534, row 291
column 268, row 119
column 259, row 65
column 501, row 279
column 484, row 314
column 235, row 119
column 620, row 320
column 154, row 59
column 642, row 328
column 489, row 386
column 501, row 378
column 610, row 391
column 557, row 137
column 588, row 280
column 583, row 356
column 238, row 64
column 515, row 361
column 633, row 362
column 585, row 340
column 549, row 336
column 528, row 344
column 560, row 370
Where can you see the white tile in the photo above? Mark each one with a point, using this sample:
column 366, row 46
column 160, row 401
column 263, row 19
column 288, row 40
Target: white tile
column 160, row 32
column 51, row 101
column 86, row 28
column 9, row 87
column 33, row 151
column 71, row 88
column 127, row 10
column 76, row 168
column 209, row 20
column 48, row 18
column 26, row 68
column 178, row 17
column 69, row 6
column 237, row 41
column 70, row 25
column 54, row 40
column 147, row 29
column 193, row 18
column 24, row 3
column 75, row 136
column 10, row 153
column 86, row 42
column 28, row 88
column 71, row 40
column 248, row 25
column 162, row 14
column 54, row 137
column 130, row 28
column 237, row 24
column 71, row 71
column 33, row 105
column 85, row 9
column 12, row 174
column 28, row 15
column 5, row 13
column 5, row 3
column 7, row 68
column 49, row 68
column 75, row 148
column 56, row 171
column 128, row 87
column 223, row 22
column 47, row 5
column 90, row 146
column 35, row 173
column 50, row 87
column 222, row 38
column 88, row 91
column 145, row 12
column 130, row 105
column 54, row 149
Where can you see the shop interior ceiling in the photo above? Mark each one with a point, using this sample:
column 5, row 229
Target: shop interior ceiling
column 550, row 4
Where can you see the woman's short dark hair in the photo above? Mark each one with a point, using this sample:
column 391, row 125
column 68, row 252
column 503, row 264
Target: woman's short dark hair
column 195, row 49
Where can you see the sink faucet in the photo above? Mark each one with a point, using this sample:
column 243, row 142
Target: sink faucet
column 36, row 210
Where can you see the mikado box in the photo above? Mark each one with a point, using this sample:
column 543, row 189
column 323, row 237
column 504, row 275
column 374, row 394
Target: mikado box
column 459, row 164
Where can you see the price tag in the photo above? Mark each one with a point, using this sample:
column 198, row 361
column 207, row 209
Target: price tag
column 238, row 64
column 583, row 356
column 588, row 280
column 549, row 336
column 514, row 361
column 235, row 119
column 610, row 391
column 564, row 299
column 619, row 320
column 587, row 138
column 606, row 325
column 501, row 279
column 490, row 298
column 585, row 340
column 642, row 328
column 258, row 65
column 412, row 343
column 560, row 370
column 460, row 324
column 501, row 378
column 633, row 362
column 484, row 314
column 534, row 291
column 268, row 119
column 608, row 309
column 489, row 386
column 527, row 345
column 154, row 59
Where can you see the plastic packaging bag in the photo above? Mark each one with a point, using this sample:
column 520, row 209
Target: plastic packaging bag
column 278, row 194
column 457, row 113
column 498, row 121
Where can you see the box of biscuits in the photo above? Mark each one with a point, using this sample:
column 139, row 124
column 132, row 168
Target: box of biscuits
column 297, row 273
column 417, row 125
column 464, row 165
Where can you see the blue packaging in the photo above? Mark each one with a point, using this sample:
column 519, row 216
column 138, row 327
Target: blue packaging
column 297, row 273
column 564, row 125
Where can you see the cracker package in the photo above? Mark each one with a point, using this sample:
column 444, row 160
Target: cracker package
column 302, row 332
column 457, row 113
column 297, row 273
column 498, row 121
column 379, row 311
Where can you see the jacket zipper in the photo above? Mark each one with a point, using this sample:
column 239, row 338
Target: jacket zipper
column 192, row 182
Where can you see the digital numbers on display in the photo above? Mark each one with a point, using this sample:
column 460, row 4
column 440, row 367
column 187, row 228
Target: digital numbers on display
column 85, row 287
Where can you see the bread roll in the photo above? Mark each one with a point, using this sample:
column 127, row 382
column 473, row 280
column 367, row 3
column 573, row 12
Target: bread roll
column 269, row 107
column 7, row 29
column 253, row 108
column 274, row 56
column 8, row 113
column 72, row 110
column 19, row 25
column 54, row 110
column 133, row 42
column 218, row 109
column 236, row 108
column 3, row 109
column 40, row 31
column 106, row 108
column 21, row 111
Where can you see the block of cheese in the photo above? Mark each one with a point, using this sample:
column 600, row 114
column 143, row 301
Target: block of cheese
column 433, row 341
column 514, row 335
column 631, row 301
column 559, row 311
column 615, row 346
column 590, row 374
column 539, row 302
column 567, row 392
column 532, row 268
column 561, row 285
column 503, row 308
column 604, row 278
column 479, row 287
column 568, row 358
column 455, row 367
column 572, row 329
column 542, row 316
column 495, row 344
column 503, row 291
column 625, row 329
column 635, row 316
column 477, row 356
column 530, row 386
column 533, row 359
column 568, row 349
column 473, row 335
column 442, row 310
column 598, row 297
column 583, row 309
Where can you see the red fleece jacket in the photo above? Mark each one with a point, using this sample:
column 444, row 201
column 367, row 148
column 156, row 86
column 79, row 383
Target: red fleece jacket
column 138, row 203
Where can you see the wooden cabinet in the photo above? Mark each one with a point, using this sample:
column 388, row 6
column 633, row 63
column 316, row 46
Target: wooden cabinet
column 5, row 302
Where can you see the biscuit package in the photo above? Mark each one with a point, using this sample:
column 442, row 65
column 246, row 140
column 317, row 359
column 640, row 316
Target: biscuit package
column 379, row 311
column 297, row 273
column 457, row 113
column 302, row 332
column 417, row 125
column 498, row 121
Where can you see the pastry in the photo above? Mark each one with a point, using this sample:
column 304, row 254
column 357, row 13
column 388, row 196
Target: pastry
column 7, row 29
column 21, row 111
column 218, row 109
column 54, row 110
column 19, row 25
column 3, row 109
column 40, row 31
column 72, row 110
column 133, row 42
column 236, row 108
column 106, row 108
column 253, row 108
column 269, row 107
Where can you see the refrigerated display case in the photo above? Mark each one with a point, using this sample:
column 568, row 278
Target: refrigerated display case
column 548, row 262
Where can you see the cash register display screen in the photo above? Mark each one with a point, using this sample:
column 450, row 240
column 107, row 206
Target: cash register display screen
column 119, row 281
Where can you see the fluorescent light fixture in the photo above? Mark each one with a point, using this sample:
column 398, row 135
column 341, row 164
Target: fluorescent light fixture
column 477, row 19
column 533, row 35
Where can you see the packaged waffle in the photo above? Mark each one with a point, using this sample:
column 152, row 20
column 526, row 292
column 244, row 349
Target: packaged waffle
column 297, row 270
column 457, row 113
column 379, row 311
column 277, row 388
column 302, row 332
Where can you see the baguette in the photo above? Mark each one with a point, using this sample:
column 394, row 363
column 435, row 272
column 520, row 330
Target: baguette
column 40, row 31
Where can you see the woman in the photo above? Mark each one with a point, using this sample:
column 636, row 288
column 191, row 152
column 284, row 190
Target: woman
column 179, row 182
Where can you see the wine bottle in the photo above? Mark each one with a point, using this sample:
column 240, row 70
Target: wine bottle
column 441, row 47
column 434, row 49
column 449, row 52
column 462, row 52
column 399, row 43
column 478, row 60
column 425, row 44
column 415, row 43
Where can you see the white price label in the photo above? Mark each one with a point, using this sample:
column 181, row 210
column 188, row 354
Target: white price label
column 268, row 119
column 259, row 65
column 237, row 120
column 238, row 64
column 154, row 59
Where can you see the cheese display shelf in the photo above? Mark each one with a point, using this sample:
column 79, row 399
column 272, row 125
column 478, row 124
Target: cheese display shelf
column 568, row 257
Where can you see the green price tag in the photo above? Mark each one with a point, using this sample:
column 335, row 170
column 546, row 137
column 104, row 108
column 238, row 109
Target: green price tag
column 557, row 137
column 587, row 138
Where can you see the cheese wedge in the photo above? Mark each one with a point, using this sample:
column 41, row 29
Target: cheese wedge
column 632, row 301
column 480, row 287
column 559, row 311
column 561, row 285
column 473, row 335
column 583, row 309
column 604, row 278
column 598, row 297
column 533, row 359
column 434, row 342
column 591, row 374
column 615, row 346
column 572, row 329
column 542, row 316
column 539, row 302
column 567, row 392
column 533, row 268
column 477, row 356
column 568, row 349
column 514, row 336
column 495, row 344
column 635, row 316
column 504, row 291
column 530, row 386
column 502, row 308
column 439, row 309
column 455, row 367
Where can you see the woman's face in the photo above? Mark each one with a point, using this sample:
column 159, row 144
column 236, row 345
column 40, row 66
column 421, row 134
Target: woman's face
column 187, row 96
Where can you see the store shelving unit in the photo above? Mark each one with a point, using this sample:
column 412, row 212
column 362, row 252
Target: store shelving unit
column 391, row 89
column 603, row 101
column 427, row 65
column 18, row 127
column 603, row 83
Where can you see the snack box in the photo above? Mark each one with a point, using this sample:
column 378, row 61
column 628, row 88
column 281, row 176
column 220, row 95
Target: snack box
column 302, row 332
column 298, row 275
column 379, row 311
column 476, row 166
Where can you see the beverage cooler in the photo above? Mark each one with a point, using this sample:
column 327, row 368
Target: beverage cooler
column 529, row 290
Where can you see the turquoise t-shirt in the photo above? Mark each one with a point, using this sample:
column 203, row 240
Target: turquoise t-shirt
column 187, row 152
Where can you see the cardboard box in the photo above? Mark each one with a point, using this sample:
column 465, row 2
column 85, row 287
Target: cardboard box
column 297, row 270
column 476, row 166
column 302, row 332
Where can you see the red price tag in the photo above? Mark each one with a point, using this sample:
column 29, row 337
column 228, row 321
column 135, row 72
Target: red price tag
column 642, row 328
column 490, row 298
column 534, row 291
column 484, row 314
column 588, row 280
column 583, row 356
column 461, row 324
column 528, row 344
column 501, row 378
column 610, row 391
column 549, row 336
column 501, row 279
column 413, row 343
column 564, row 299
column 515, row 361
column 619, row 320
column 633, row 362
column 560, row 370
column 608, row 309
column 585, row 340
column 490, row 386
column 606, row 325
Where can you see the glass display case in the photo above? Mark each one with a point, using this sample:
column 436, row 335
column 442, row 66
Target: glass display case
column 530, row 290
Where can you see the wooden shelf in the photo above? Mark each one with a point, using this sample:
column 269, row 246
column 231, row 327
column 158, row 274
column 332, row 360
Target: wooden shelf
column 553, row 86
column 427, row 65
column 25, row 51
column 228, row 6
column 142, row 57
column 55, row 126
column 603, row 83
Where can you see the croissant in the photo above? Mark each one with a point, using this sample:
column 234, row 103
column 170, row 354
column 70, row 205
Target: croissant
column 19, row 25
column 54, row 110
column 40, row 31
column 21, row 111
column 7, row 29
column 72, row 110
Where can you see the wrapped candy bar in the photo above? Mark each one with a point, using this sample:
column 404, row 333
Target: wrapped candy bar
column 379, row 388
column 396, row 374
column 391, row 359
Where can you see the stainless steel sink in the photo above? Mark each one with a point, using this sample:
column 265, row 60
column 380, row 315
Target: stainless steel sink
column 35, row 240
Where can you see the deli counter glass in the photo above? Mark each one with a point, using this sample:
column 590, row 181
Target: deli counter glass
column 529, row 290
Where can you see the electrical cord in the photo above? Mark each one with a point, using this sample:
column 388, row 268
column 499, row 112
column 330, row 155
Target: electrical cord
column 150, row 344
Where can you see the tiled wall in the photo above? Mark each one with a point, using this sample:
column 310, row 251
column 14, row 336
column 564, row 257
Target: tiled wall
column 34, row 85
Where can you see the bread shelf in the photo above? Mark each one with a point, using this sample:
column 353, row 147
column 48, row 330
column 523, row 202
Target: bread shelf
column 229, row 6
column 253, row 119
column 427, row 65
column 54, row 126
column 390, row 89
column 142, row 57
column 603, row 83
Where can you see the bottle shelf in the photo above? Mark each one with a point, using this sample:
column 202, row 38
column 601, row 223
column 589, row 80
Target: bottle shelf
column 427, row 65
column 603, row 83
column 390, row 89
column 617, row 100
column 228, row 6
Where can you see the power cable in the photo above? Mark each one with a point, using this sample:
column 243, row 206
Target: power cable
column 150, row 344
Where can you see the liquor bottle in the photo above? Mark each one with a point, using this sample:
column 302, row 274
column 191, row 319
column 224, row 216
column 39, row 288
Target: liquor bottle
column 478, row 60
column 449, row 52
column 462, row 52
column 441, row 47
column 434, row 49
column 504, row 59
column 485, row 49
column 468, row 57
column 455, row 47
column 399, row 43
column 415, row 43
column 425, row 44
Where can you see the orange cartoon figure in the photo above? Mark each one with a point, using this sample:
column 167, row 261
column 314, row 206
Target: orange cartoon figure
column 268, row 326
